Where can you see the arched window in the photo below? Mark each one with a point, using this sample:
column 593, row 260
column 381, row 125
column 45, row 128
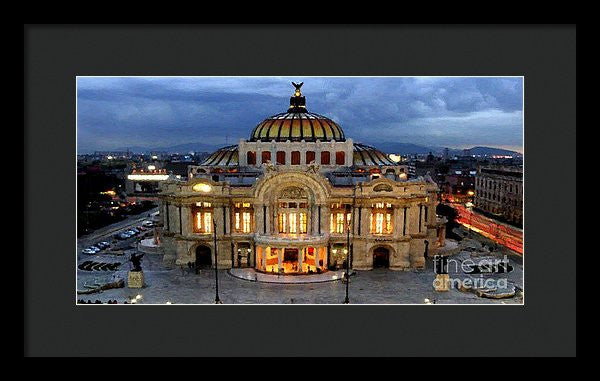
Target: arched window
column 266, row 156
column 325, row 158
column 281, row 157
column 310, row 156
column 251, row 157
column 340, row 157
column 295, row 157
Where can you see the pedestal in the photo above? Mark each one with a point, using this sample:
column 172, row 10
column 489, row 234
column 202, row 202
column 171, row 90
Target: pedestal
column 135, row 279
column 441, row 282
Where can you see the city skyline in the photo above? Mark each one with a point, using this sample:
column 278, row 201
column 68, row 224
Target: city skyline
column 454, row 112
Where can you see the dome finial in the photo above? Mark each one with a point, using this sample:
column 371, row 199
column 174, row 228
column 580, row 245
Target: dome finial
column 297, row 101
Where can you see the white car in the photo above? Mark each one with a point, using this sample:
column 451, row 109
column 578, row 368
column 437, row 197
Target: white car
column 88, row 251
column 148, row 223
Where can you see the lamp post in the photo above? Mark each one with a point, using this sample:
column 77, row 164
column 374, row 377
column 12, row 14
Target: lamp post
column 349, row 211
column 217, row 300
column 347, row 275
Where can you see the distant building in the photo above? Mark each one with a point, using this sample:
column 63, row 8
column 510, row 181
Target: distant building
column 499, row 191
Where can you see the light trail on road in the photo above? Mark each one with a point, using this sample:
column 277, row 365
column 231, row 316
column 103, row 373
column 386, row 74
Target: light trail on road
column 498, row 232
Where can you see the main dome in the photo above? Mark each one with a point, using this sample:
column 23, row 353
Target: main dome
column 297, row 124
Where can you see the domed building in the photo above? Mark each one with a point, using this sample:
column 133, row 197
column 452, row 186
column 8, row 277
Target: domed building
column 289, row 198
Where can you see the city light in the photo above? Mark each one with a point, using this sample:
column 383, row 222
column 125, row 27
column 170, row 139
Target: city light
column 395, row 158
column 148, row 177
column 202, row 187
column 152, row 167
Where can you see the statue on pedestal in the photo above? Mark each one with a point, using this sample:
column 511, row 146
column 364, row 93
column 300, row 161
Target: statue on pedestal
column 136, row 261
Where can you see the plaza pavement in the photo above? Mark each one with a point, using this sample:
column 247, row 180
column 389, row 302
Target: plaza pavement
column 379, row 286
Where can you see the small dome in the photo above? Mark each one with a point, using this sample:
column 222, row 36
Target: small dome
column 226, row 156
column 367, row 155
column 297, row 124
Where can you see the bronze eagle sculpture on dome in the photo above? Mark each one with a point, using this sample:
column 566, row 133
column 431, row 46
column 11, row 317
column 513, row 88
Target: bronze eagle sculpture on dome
column 298, row 85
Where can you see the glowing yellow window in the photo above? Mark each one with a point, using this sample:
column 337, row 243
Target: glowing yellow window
column 246, row 220
column 237, row 221
column 331, row 224
column 282, row 222
column 340, row 223
column 388, row 223
column 207, row 222
column 379, row 223
column 293, row 228
column 302, row 223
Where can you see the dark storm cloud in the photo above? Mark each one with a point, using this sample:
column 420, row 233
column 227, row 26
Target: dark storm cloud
column 437, row 111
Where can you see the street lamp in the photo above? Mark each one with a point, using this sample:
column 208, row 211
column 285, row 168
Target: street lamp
column 347, row 275
column 217, row 300
column 349, row 211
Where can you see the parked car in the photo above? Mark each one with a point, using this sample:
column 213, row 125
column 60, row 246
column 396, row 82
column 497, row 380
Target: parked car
column 148, row 223
column 94, row 249
column 88, row 251
column 102, row 245
column 105, row 243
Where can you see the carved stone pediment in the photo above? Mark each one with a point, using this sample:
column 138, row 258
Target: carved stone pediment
column 383, row 188
column 293, row 193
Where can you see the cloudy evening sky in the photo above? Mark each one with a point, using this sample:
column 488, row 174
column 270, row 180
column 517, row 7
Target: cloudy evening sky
column 455, row 112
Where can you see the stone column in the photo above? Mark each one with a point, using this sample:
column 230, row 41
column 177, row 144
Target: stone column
column 397, row 221
column 300, row 255
column 316, row 257
column 279, row 257
column 264, row 251
column 186, row 219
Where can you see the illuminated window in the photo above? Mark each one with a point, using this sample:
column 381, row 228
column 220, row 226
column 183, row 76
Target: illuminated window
column 293, row 223
column 293, row 216
column 202, row 218
column 381, row 218
column 339, row 225
column 379, row 223
column 339, row 218
column 303, row 224
column 282, row 222
column 243, row 215
column 247, row 222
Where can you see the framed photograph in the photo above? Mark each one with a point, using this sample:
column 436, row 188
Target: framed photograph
column 275, row 190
